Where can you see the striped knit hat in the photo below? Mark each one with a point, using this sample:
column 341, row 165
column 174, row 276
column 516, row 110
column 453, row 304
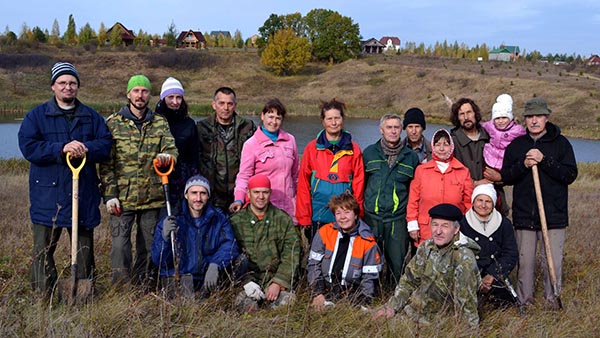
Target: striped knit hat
column 171, row 86
column 62, row 68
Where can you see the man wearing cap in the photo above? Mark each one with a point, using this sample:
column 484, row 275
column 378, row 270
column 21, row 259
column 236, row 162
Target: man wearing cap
column 222, row 136
column 270, row 249
column 389, row 169
column 204, row 242
column 414, row 124
column 132, row 190
column 63, row 125
column 173, row 107
column 443, row 275
column 542, row 146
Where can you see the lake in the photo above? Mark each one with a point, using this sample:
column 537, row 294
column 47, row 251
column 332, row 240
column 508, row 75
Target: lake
column 364, row 132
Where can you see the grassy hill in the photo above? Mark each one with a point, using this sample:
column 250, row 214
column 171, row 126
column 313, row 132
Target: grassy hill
column 370, row 85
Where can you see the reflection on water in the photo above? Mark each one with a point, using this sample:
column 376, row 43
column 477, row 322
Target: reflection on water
column 364, row 132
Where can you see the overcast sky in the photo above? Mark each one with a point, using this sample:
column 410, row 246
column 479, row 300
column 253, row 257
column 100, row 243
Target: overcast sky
column 549, row 26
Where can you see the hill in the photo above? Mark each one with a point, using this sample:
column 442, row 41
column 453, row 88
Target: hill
column 370, row 85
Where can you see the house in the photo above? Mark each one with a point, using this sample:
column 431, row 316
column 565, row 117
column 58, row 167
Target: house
column 505, row 53
column 594, row 60
column 372, row 46
column 391, row 43
column 254, row 39
column 220, row 34
column 191, row 39
column 126, row 34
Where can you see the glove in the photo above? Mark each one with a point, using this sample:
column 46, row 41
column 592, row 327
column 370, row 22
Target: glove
column 253, row 291
column 211, row 276
column 169, row 224
column 164, row 160
column 113, row 207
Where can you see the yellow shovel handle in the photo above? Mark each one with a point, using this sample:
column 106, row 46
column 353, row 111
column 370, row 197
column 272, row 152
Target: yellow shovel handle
column 74, row 170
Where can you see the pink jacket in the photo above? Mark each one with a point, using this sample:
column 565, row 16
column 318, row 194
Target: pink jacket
column 276, row 160
column 430, row 187
column 493, row 152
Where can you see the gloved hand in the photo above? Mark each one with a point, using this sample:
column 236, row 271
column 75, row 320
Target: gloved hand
column 211, row 276
column 164, row 160
column 113, row 207
column 169, row 224
column 253, row 291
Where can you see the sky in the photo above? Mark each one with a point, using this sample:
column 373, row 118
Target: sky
column 548, row 26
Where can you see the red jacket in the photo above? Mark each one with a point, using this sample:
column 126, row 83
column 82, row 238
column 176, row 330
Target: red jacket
column 324, row 174
column 430, row 187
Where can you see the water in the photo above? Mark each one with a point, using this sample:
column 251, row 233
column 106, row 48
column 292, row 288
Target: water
column 364, row 131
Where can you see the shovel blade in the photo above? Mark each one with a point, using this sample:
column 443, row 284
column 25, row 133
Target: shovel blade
column 84, row 291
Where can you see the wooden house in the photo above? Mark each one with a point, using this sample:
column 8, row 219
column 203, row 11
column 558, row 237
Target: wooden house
column 372, row 46
column 594, row 60
column 191, row 39
column 505, row 53
column 126, row 34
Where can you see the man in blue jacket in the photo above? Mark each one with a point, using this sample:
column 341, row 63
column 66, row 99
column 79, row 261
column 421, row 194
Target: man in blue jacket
column 205, row 242
column 48, row 132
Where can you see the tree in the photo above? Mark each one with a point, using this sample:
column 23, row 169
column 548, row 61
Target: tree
column 115, row 36
column 334, row 38
column 171, row 35
column 39, row 35
column 238, row 41
column 102, row 37
column 286, row 53
column 86, row 34
column 276, row 22
column 70, row 36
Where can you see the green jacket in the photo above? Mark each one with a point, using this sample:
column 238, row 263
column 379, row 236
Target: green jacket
column 271, row 244
column 129, row 173
column 220, row 161
column 386, row 189
column 435, row 280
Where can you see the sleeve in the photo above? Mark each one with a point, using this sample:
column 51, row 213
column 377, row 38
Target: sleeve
column 513, row 166
column 467, row 191
column 100, row 147
column 108, row 176
column 410, row 280
column 290, row 254
column 314, row 270
column 414, row 200
column 564, row 168
column 358, row 179
column 372, row 266
column 228, row 250
column 303, row 196
column 34, row 146
column 295, row 165
column 246, row 171
column 466, row 284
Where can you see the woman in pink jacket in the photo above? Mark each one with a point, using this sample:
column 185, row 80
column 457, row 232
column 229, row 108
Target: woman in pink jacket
column 442, row 180
column 272, row 152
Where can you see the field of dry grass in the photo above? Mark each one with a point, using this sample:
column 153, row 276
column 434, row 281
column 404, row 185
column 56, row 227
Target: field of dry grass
column 133, row 314
column 370, row 86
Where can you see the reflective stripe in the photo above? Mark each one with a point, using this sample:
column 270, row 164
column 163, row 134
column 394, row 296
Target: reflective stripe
column 315, row 256
column 371, row 269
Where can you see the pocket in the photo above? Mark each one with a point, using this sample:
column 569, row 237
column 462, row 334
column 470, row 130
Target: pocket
column 264, row 155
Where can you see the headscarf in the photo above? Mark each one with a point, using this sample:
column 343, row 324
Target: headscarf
column 434, row 155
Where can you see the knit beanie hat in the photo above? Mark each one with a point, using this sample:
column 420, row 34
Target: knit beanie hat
column 505, row 98
column 259, row 181
column 62, row 68
column 414, row 115
column 198, row 181
column 138, row 81
column 171, row 86
column 485, row 189
column 502, row 109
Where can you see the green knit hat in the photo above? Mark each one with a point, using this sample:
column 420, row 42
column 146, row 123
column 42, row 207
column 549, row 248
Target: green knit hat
column 138, row 80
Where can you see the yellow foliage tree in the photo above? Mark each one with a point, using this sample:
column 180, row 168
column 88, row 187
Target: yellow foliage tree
column 286, row 53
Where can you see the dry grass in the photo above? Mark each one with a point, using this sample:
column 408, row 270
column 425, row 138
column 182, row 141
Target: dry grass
column 370, row 86
column 131, row 313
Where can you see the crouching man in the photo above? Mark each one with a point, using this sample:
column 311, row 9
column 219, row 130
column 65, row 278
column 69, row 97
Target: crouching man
column 442, row 276
column 204, row 243
column 270, row 249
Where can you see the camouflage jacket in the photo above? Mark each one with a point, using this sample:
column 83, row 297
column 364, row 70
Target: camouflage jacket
column 438, row 280
column 220, row 160
column 271, row 244
column 129, row 173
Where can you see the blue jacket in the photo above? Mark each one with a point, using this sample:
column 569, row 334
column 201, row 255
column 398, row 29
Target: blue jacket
column 42, row 136
column 204, row 240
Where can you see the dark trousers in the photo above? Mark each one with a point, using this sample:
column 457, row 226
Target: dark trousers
column 43, row 269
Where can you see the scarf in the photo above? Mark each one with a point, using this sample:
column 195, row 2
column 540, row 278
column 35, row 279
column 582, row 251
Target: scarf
column 485, row 227
column 391, row 152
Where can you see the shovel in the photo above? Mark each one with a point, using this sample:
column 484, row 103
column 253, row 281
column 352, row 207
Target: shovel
column 164, row 178
column 73, row 290
column 550, row 260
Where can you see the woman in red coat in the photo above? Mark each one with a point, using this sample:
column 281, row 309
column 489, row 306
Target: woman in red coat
column 442, row 180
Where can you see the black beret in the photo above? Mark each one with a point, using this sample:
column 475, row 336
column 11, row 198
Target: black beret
column 446, row 211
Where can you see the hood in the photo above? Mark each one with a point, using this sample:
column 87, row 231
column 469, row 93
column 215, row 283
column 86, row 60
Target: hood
column 126, row 112
column 464, row 241
column 170, row 114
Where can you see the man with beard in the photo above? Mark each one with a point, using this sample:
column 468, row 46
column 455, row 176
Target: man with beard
column 131, row 189
column 48, row 134
column 389, row 169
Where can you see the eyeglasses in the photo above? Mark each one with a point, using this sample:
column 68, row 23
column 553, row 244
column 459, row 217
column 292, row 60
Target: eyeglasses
column 64, row 84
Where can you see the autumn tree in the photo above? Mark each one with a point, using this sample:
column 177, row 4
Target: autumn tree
column 334, row 38
column 39, row 35
column 171, row 35
column 102, row 37
column 286, row 53
column 277, row 22
column 54, row 36
column 115, row 37
column 70, row 36
column 86, row 34
column 238, row 41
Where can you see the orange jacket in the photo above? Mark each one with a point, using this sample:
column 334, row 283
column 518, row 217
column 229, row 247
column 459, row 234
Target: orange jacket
column 431, row 187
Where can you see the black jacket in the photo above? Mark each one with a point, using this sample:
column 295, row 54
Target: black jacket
column 557, row 170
